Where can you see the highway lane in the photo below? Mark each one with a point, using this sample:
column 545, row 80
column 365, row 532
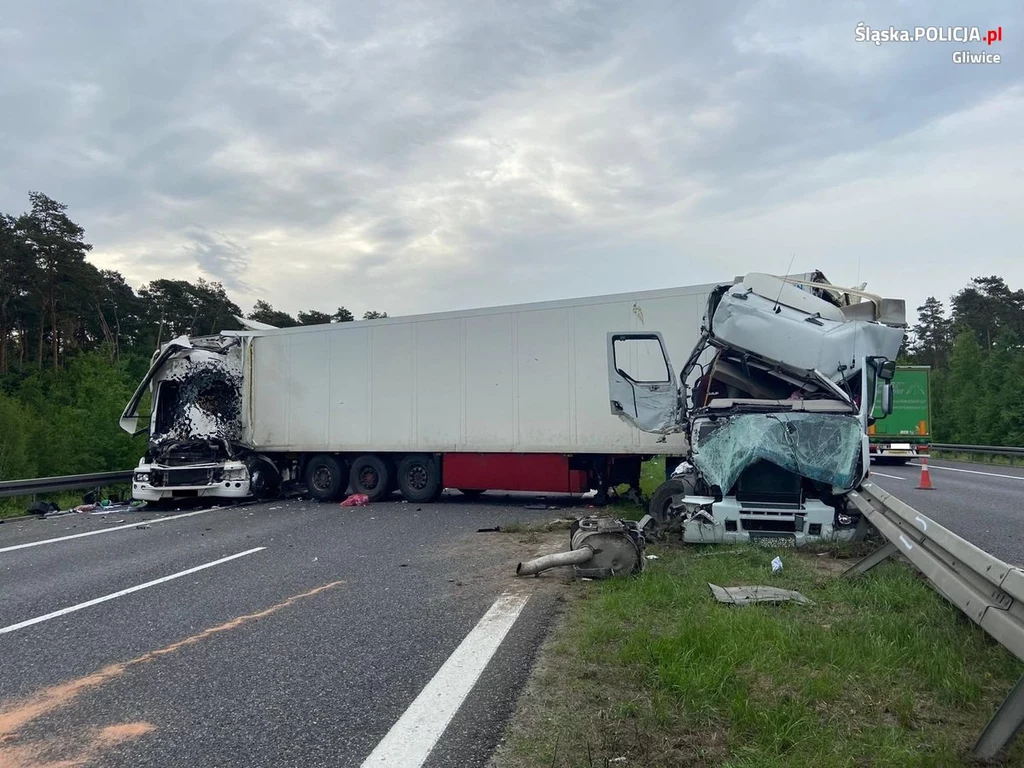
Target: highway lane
column 982, row 503
column 306, row 651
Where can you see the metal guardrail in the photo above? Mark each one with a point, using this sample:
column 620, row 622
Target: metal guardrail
column 65, row 483
column 987, row 590
column 993, row 450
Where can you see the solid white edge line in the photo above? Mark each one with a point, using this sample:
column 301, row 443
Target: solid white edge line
column 411, row 739
column 970, row 471
column 123, row 592
column 891, row 477
column 107, row 530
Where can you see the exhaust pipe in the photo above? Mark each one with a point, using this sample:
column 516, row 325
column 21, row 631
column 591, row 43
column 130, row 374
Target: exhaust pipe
column 598, row 548
column 575, row 557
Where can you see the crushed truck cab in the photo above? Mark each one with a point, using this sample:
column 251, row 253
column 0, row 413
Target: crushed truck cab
column 775, row 401
column 195, row 421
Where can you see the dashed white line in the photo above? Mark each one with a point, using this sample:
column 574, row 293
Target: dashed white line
column 891, row 477
column 106, row 530
column 971, row 471
column 122, row 593
column 411, row 740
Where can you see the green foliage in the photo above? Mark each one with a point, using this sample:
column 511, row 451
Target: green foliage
column 977, row 361
column 76, row 340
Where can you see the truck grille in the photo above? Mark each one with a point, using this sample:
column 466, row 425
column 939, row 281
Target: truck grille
column 187, row 477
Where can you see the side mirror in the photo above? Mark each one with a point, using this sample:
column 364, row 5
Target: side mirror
column 887, row 370
column 887, row 393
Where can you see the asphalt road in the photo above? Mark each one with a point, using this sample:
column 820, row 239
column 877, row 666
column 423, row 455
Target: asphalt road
column 300, row 634
column 982, row 503
column 304, row 651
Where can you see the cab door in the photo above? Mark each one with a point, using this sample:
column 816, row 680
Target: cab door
column 641, row 382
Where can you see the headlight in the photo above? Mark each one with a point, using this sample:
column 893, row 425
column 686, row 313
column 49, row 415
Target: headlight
column 143, row 477
column 236, row 474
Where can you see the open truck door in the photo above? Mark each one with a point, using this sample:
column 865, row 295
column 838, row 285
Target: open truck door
column 641, row 382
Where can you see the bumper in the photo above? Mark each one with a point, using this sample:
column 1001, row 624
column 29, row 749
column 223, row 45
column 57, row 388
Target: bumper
column 156, row 482
column 730, row 522
column 225, row 490
column 893, row 450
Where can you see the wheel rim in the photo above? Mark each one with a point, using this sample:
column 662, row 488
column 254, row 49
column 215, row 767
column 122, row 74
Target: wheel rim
column 418, row 477
column 369, row 478
column 322, row 478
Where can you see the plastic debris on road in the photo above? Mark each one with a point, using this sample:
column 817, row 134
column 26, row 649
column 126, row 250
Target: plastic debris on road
column 755, row 594
column 356, row 500
column 776, row 564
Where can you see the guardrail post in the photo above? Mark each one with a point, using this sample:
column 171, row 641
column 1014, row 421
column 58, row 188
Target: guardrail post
column 1003, row 726
column 865, row 564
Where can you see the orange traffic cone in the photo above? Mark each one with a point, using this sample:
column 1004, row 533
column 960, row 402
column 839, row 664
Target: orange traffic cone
column 926, row 479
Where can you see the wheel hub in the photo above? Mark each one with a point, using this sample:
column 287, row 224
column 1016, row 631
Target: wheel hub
column 418, row 477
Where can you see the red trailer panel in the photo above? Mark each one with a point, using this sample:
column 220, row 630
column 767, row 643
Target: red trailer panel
column 513, row 472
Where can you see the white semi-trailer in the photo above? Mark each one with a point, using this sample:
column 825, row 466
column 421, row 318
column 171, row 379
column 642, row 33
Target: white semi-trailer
column 508, row 398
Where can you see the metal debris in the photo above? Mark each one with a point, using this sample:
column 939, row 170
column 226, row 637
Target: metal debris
column 598, row 548
column 755, row 594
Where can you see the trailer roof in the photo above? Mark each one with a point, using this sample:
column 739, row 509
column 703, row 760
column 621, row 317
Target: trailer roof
column 686, row 290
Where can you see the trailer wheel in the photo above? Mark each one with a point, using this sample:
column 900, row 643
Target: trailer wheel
column 418, row 478
column 370, row 475
column 325, row 478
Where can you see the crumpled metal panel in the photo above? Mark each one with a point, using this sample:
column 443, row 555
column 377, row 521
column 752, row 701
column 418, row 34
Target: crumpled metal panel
column 822, row 447
column 799, row 340
column 755, row 594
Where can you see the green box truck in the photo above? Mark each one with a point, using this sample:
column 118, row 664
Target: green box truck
column 906, row 432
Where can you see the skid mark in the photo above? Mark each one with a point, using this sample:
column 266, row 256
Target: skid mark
column 15, row 716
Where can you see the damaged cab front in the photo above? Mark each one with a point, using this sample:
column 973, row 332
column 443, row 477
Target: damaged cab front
column 775, row 401
column 195, row 421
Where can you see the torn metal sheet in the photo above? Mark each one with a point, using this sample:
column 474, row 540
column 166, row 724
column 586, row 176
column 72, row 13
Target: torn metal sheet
column 824, row 447
column 756, row 594
column 808, row 334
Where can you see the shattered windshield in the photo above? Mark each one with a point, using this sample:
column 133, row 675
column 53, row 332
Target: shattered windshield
column 822, row 447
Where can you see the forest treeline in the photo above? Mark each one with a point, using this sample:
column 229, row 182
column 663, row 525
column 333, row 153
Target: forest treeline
column 75, row 340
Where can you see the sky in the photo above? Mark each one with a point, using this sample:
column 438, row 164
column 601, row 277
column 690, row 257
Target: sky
column 427, row 156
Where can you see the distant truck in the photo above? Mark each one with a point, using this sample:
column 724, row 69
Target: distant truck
column 906, row 432
column 508, row 398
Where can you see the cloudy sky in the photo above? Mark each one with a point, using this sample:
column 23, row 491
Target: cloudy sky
column 423, row 156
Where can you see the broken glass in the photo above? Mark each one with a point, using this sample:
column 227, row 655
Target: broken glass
column 822, row 447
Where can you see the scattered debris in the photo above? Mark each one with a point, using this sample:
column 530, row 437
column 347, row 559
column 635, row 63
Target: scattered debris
column 652, row 557
column 598, row 548
column 495, row 529
column 356, row 500
column 756, row 594
column 142, row 527
column 776, row 564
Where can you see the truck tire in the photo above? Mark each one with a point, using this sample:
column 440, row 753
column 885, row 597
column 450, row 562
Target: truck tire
column 419, row 478
column 325, row 477
column 370, row 475
column 658, row 508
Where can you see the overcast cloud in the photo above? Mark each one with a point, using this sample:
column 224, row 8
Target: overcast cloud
column 424, row 156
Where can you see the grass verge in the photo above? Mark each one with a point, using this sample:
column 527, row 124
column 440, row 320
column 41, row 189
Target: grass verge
column 652, row 671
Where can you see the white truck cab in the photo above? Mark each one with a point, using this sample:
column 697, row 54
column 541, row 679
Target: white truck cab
column 775, row 401
column 194, row 421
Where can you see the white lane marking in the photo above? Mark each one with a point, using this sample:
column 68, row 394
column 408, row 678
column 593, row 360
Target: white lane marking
column 107, row 530
column 922, row 521
column 971, row 471
column 122, row 593
column 413, row 737
column 891, row 477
